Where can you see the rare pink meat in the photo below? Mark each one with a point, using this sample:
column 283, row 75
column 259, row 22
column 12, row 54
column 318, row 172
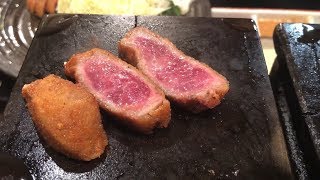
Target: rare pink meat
column 116, row 84
column 172, row 71
column 120, row 89
column 184, row 80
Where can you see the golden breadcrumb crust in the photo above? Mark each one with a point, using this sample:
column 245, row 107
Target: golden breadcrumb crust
column 67, row 116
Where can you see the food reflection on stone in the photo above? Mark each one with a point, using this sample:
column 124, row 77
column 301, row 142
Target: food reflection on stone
column 121, row 90
column 183, row 79
column 67, row 116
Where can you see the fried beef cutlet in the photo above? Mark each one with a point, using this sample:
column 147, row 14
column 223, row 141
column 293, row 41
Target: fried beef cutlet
column 40, row 7
column 67, row 116
column 186, row 81
column 121, row 90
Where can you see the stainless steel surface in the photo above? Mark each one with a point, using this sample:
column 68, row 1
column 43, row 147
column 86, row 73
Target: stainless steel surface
column 17, row 30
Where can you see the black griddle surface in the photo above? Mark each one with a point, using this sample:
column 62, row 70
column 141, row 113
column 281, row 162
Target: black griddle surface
column 296, row 80
column 239, row 139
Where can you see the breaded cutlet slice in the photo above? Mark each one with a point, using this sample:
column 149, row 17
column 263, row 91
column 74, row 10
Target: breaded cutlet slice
column 67, row 116
column 184, row 80
column 121, row 90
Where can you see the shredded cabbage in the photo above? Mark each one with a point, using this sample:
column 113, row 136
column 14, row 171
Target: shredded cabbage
column 183, row 5
column 119, row 7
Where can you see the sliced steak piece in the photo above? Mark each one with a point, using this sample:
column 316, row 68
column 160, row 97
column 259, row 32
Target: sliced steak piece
column 184, row 80
column 121, row 89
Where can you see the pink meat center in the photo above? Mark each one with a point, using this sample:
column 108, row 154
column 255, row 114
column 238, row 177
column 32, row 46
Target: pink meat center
column 172, row 71
column 114, row 83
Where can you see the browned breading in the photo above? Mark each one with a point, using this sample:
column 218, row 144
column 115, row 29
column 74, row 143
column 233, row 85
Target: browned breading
column 67, row 117
column 51, row 6
column 39, row 8
column 31, row 5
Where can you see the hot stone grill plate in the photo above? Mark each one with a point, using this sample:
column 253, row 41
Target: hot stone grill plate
column 240, row 139
column 295, row 79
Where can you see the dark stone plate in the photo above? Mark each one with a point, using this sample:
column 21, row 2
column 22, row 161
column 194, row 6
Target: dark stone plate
column 241, row 138
column 296, row 81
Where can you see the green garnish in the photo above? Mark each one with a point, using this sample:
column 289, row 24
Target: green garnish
column 174, row 10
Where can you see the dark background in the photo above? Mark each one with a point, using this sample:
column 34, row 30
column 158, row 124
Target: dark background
column 278, row 4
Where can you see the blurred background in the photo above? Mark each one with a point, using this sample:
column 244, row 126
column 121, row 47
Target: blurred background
column 267, row 14
column 270, row 4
